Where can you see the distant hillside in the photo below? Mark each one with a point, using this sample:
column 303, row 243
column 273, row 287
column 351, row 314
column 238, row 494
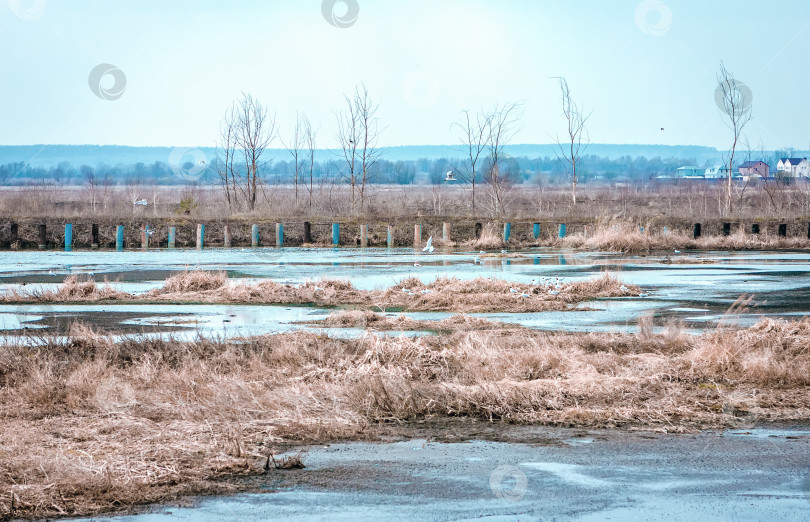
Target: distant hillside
column 45, row 156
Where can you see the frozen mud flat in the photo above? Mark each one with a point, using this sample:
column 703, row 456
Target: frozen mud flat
column 759, row 474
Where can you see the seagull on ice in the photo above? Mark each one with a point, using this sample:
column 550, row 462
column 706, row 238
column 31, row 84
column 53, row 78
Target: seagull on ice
column 553, row 292
column 677, row 251
column 428, row 246
column 449, row 176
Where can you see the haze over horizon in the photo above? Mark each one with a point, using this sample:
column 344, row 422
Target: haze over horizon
column 646, row 69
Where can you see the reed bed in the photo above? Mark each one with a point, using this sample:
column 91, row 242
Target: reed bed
column 629, row 238
column 442, row 295
column 92, row 424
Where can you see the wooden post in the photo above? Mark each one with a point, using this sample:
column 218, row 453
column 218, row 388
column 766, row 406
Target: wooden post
column 507, row 231
column 279, row 235
column 562, row 231
column 478, row 229
column 172, row 236
column 446, row 232
column 94, row 236
column 226, row 236
column 43, row 237
column 536, row 230
column 307, row 233
column 254, row 235
column 68, row 237
column 783, row 230
column 15, row 236
column 200, row 235
column 364, row 235
column 417, row 235
column 144, row 236
column 119, row 238
column 390, row 239
column 335, row 234
column 697, row 230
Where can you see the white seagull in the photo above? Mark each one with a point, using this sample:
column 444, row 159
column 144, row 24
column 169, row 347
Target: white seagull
column 428, row 246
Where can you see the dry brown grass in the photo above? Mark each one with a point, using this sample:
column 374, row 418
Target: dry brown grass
column 491, row 238
column 92, row 424
column 443, row 294
column 379, row 322
column 73, row 289
column 628, row 238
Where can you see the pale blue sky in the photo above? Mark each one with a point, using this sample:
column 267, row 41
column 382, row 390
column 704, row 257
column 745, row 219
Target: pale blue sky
column 424, row 61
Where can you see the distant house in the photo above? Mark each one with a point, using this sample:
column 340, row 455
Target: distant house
column 793, row 167
column 716, row 172
column 689, row 172
column 751, row 169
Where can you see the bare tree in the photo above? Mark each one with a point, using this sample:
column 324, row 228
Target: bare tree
column 133, row 189
column 246, row 132
column 357, row 135
column 474, row 135
column 227, row 152
column 501, row 127
column 576, row 139
column 735, row 104
column 309, row 144
column 93, row 189
column 294, row 147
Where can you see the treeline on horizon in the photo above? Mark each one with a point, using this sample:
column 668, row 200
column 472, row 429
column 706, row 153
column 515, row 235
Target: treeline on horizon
column 523, row 170
column 544, row 170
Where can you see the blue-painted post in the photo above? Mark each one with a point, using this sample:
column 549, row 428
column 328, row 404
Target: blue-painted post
column 335, row 234
column 562, row 230
column 390, row 241
column 172, row 236
column 536, row 230
column 507, row 231
column 254, row 235
column 119, row 238
column 200, row 236
column 279, row 235
column 68, row 237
